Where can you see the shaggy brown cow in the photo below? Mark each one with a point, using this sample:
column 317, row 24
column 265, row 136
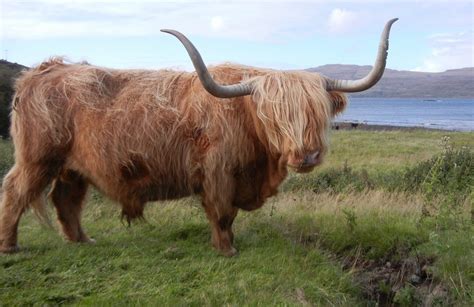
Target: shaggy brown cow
column 141, row 136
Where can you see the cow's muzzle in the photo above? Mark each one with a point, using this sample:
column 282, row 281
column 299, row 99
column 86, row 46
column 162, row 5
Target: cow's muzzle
column 305, row 163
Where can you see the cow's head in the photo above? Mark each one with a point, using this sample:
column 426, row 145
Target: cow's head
column 293, row 109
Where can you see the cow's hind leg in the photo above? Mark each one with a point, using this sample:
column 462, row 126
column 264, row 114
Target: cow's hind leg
column 22, row 185
column 67, row 195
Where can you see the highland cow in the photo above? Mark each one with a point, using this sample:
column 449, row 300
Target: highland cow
column 141, row 136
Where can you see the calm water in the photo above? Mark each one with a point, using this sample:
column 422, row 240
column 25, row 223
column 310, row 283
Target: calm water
column 448, row 114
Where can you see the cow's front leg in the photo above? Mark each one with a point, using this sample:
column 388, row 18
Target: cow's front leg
column 217, row 201
column 221, row 224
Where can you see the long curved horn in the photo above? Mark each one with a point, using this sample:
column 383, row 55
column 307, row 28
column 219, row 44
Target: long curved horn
column 221, row 91
column 374, row 75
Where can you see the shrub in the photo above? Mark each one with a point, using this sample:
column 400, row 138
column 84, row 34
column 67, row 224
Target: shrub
column 449, row 172
column 447, row 184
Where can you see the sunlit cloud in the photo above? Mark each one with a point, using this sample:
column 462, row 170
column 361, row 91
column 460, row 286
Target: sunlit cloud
column 449, row 50
column 341, row 20
column 272, row 33
column 258, row 21
column 217, row 23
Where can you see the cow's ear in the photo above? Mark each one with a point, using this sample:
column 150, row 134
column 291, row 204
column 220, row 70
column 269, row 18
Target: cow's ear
column 338, row 102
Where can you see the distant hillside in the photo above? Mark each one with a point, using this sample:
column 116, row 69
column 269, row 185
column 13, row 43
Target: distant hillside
column 455, row 83
column 8, row 72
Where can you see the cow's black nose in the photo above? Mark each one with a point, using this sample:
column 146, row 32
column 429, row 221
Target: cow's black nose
column 311, row 158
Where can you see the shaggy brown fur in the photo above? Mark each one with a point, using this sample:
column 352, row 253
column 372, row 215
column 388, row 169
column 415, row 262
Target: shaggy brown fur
column 142, row 136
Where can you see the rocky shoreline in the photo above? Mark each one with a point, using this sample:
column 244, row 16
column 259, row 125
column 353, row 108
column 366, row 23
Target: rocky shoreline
column 370, row 127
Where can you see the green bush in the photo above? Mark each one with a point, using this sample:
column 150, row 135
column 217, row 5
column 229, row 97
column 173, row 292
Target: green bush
column 448, row 173
column 451, row 171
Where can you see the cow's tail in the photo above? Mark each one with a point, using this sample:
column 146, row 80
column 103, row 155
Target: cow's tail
column 39, row 207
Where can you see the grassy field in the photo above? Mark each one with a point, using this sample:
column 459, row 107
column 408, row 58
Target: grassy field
column 386, row 220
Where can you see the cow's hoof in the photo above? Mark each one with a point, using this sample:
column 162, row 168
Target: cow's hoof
column 90, row 241
column 9, row 249
column 86, row 240
column 83, row 240
column 229, row 252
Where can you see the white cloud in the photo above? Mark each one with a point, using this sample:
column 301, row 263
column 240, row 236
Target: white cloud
column 216, row 23
column 448, row 51
column 311, row 23
column 341, row 20
column 58, row 19
column 245, row 19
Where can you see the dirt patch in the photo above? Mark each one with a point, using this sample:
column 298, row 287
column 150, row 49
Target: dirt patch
column 406, row 282
column 390, row 282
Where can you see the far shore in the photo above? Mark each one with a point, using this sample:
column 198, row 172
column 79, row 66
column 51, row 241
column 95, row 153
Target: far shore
column 372, row 127
column 365, row 127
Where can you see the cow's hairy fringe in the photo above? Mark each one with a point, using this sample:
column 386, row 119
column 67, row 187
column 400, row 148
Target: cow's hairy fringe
column 290, row 104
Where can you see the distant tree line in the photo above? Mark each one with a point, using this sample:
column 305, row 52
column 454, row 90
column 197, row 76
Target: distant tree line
column 8, row 73
column 6, row 93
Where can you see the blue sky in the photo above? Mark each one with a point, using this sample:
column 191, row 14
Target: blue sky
column 432, row 35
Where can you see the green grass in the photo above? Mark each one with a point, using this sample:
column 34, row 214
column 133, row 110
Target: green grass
column 6, row 156
column 169, row 260
column 328, row 247
column 388, row 150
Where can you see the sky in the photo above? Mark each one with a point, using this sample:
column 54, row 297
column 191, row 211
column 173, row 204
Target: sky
column 431, row 35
